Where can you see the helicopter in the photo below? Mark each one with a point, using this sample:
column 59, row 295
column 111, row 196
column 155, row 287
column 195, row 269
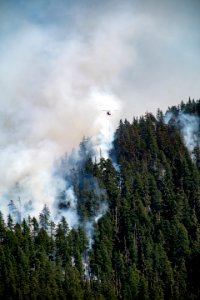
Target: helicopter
column 108, row 112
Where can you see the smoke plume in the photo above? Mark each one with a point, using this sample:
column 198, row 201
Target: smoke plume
column 53, row 91
column 189, row 126
column 62, row 63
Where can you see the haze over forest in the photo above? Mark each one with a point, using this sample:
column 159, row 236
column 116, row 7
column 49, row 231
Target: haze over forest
column 98, row 206
column 64, row 62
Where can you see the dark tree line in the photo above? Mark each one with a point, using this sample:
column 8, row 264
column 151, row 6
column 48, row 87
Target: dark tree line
column 147, row 244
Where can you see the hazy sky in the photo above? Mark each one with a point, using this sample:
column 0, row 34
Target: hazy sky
column 146, row 54
column 63, row 62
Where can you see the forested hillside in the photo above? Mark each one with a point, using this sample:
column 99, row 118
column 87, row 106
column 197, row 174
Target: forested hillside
column 146, row 244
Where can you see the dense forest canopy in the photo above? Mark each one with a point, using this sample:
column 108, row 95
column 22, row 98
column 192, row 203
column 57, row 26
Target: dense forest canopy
column 138, row 235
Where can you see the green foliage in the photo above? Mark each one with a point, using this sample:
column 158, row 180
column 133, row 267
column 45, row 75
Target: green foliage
column 147, row 244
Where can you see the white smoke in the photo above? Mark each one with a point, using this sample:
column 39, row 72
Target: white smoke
column 189, row 126
column 52, row 94
column 89, row 230
column 190, row 129
column 70, row 213
column 168, row 116
column 61, row 64
column 102, row 141
column 89, row 225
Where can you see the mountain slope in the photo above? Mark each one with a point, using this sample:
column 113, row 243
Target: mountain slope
column 138, row 235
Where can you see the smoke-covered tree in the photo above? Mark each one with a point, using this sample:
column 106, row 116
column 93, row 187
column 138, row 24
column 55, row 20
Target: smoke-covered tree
column 147, row 243
column 44, row 217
